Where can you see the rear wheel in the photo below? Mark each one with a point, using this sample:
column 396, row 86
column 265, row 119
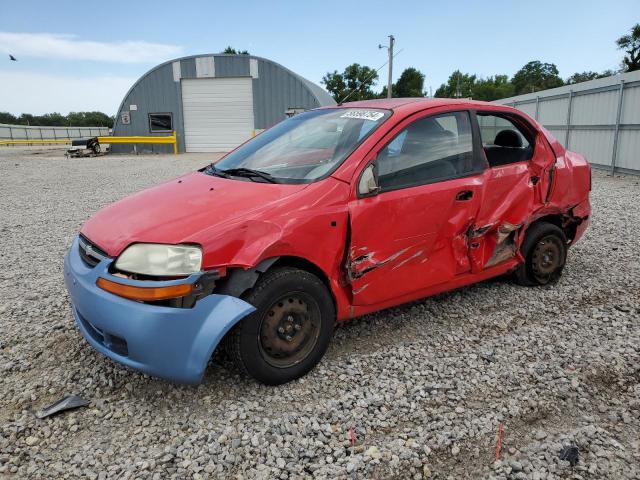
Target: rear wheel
column 545, row 252
column 290, row 330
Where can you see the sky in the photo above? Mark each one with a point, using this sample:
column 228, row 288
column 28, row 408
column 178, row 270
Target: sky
column 81, row 56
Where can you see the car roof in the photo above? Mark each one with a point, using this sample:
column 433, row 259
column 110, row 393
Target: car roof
column 409, row 105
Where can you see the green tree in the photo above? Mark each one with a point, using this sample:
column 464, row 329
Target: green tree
column 98, row 119
column 232, row 51
column 74, row 119
column 410, row 84
column 580, row 77
column 89, row 119
column 355, row 83
column 631, row 45
column 492, row 88
column 6, row 117
column 51, row 119
column 459, row 85
column 535, row 76
column 27, row 119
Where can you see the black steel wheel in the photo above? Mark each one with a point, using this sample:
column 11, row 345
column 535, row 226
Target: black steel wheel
column 545, row 252
column 547, row 258
column 290, row 330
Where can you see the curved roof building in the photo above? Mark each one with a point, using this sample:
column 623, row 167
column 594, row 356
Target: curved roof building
column 213, row 102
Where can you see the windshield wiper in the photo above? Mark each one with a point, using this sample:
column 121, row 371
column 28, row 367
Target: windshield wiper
column 212, row 170
column 249, row 173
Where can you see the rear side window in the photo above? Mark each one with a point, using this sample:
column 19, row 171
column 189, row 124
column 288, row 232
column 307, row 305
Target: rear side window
column 503, row 142
column 429, row 150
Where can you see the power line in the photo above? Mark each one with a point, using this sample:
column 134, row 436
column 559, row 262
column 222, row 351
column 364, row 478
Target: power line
column 369, row 78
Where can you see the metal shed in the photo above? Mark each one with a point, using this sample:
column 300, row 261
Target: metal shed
column 214, row 102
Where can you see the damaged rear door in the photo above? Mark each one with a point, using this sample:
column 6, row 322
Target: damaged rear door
column 411, row 232
column 520, row 164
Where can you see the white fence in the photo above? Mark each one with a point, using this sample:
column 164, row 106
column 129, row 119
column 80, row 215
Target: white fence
column 599, row 119
column 30, row 132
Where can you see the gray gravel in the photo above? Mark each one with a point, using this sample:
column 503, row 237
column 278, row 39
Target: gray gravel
column 424, row 386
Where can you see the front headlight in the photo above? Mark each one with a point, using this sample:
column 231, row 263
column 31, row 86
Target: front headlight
column 160, row 260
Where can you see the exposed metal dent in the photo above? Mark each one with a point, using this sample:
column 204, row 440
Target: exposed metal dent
column 504, row 239
column 362, row 258
column 408, row 259
column 480, row 231
column 358, row 290
column 368, row 258
column 505, row 230
column 506, row 244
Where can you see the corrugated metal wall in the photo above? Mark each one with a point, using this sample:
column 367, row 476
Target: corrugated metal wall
column 275, row 89
column 599, row 119
column 28, row 132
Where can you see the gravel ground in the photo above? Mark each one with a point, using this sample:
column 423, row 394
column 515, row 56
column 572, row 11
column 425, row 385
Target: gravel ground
column 423, row 388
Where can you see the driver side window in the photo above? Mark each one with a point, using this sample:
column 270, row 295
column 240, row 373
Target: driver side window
column 429, row 150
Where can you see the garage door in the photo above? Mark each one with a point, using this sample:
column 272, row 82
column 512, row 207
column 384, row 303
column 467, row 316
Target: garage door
column 218, row 113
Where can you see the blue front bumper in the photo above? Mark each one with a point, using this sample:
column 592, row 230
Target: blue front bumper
column 173, row 343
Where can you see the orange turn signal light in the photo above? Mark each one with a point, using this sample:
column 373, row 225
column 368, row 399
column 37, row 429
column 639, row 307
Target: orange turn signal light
column 145, row 294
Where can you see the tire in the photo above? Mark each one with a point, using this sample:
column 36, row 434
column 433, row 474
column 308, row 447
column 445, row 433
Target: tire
column 545, row 252
column 290, row 330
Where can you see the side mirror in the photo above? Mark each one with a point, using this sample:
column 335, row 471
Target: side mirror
column 368, row 183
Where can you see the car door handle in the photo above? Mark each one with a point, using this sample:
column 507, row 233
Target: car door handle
column 464, row 195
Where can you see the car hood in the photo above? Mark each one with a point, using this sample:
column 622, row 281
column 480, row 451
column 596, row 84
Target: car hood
column 176, row 211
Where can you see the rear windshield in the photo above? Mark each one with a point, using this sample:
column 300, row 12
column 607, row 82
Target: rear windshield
column 308, row 146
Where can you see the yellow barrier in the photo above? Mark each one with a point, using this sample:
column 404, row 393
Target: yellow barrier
column 168, row 140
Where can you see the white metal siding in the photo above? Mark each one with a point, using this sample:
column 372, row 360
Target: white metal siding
column 631, row 105
column 628, row 149
column 553, row 112
column 595, row 109
column 253, row 68
column 218, row 113
column 205, row 67
column 593, row 144
column 529, row 109
column 605, row 118
column 176, row 71
column 558, row 134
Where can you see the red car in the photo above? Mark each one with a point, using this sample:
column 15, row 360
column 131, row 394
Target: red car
column 331, row 214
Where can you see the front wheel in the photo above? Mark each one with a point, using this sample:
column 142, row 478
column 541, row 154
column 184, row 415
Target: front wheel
column 290, row 330
column 545, row 252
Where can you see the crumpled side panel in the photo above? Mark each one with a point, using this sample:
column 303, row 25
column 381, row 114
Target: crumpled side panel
column 509, row 200
column 404, row 240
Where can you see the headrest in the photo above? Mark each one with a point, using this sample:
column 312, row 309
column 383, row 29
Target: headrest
column 508, row 138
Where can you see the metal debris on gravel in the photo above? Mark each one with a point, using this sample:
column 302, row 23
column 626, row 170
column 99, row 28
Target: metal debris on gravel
column 69, row 402
column 423, row 386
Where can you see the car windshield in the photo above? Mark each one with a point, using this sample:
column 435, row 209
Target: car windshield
column 303, row 148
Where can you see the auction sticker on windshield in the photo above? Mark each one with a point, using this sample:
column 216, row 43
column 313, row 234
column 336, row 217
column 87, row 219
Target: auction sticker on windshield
column 363, row 115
